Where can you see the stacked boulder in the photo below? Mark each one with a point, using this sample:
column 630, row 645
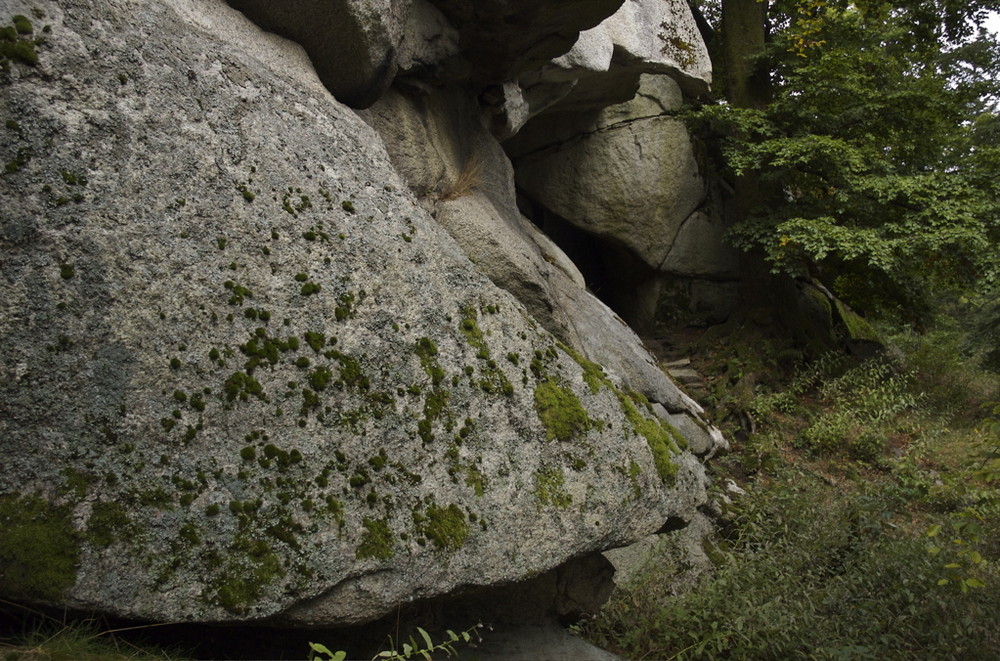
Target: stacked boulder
column 270, row 357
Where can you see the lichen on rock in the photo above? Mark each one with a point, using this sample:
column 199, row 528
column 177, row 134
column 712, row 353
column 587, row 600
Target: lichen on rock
column 296, row 407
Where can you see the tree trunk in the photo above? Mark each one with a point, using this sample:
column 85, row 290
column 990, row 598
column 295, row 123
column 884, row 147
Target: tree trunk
column 743, row 38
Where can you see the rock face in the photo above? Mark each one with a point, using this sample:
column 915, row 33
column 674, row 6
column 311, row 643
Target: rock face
column 630, row 173
column 504, row 38
column 442, row 148
column 353, row 44
column 246, row 375
column 642, row 37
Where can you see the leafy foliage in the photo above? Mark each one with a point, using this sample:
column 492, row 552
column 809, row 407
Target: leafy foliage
column 877, row 155
column 412, row 649
column 812, row 574
column 841, row 548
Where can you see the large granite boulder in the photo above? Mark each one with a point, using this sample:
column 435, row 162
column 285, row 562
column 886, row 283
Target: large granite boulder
column 246, row 376
column 354, row 44
column 627, row 173
column 504, row 38
column 441, row 145
column 642, row 37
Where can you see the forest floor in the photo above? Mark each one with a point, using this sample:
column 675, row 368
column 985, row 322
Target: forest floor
column 857, row 512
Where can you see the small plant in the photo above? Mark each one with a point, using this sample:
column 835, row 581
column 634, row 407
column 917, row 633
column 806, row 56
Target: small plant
column 409, row 650
column 470, row 177
column 955, row 544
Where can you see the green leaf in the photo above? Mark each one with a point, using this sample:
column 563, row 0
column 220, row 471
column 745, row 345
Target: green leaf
column 427, row 638
column 319, row 648
column 934, row 530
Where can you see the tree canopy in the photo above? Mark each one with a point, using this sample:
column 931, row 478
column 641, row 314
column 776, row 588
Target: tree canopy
column 872, row 140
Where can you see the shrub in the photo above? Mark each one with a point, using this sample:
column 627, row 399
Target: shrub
column 813, row 574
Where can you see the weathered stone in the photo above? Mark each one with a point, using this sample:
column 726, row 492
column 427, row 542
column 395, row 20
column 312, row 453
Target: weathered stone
column 634, row 182
column 644, row 36
column 703, row 440
column 464, row 178
column 685, row 549
column 429, row 42
column 700, row 250
column 606, row 62
column 352, row 43
column 432, row 140
column 247, row 377
column 656, row 95
column 503, row 38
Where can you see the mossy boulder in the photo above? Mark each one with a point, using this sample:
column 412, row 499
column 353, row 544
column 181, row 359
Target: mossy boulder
column 189, row 434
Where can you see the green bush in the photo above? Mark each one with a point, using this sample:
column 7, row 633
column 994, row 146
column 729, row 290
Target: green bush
column 950, row 377
column 813, row 575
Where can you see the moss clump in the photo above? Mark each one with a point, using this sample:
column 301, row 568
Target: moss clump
column 550, row 488
column 315, row 340
column 560, row 411
column 66, row 271
column 593, row 374
column 659, row 435
column 445, row 526
column 434, row 405
column 240, row 293
column 243, row 580
column 351, row 374
column 108, row 522
column 14, row 47
column 473, row 335
column 22, row 24
column 345, row 306
column 427, row 351
column 242, row 385
column 857, row 328
column 77, row 483
column 39, row 549
column 248, row 194
column 310, row 288
column 377, row 542
column 320, row 377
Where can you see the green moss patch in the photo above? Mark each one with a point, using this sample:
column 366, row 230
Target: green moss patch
column 659, row 435
column 377, row 542
column 427, row 351
column 445, row 526
column 15, row 44
column 435, row 404
column 39, row 549
column 857, row 327
column 108, row 522
column 593, row 374
column 550, row 488
column 473, row 335
column 560, row 411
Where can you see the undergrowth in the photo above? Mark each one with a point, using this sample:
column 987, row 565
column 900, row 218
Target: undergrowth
column 48, row 639
column 870, row 526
